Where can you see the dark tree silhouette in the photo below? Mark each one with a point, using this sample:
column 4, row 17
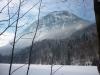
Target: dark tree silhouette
column 97, row 14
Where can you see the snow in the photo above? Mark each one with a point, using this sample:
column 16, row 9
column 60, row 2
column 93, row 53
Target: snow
column 46, row 69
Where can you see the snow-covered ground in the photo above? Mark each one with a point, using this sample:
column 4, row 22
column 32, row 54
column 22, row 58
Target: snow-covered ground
column 46, row 69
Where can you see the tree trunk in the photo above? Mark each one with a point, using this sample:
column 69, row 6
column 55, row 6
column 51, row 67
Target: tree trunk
column 97, row 14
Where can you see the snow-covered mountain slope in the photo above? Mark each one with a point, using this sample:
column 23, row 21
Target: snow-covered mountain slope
column 46, row 70
column 81, row 48
column 55, row 25
column 57, row 19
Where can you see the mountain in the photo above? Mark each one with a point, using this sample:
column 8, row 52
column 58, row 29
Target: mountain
column 57, row 19
column 55, row 25
column 80, row 48
column 62, row 38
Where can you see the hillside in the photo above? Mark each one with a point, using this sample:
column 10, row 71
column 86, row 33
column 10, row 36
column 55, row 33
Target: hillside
column 80, row 48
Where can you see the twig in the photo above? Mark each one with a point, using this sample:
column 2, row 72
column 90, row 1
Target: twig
column 20, row 26
column 11, row 16
column 5, row 6
column 16, row 20
column 57, row 70
column 17, row 69
column 21, row 37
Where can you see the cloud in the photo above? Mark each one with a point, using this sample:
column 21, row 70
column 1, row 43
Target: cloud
column 3, row 16
column 6, row 38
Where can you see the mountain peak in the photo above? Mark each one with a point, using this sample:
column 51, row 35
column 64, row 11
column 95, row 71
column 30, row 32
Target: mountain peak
column 57, row 24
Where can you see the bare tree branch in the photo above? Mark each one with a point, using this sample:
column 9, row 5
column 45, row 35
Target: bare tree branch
column 18, row 68
column 12, row 55
column 5, row 6
column 30, row 52
column 8, row 13
column 57, row 70
column 22, row 36
column 11, row 16
column 16, row 20
column 20, row 26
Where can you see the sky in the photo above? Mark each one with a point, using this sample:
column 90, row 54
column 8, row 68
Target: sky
column 78, row 7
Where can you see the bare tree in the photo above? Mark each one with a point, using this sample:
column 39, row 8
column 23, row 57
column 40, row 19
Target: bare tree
column 30, row 52
column 16, row 29
column 12, row 55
